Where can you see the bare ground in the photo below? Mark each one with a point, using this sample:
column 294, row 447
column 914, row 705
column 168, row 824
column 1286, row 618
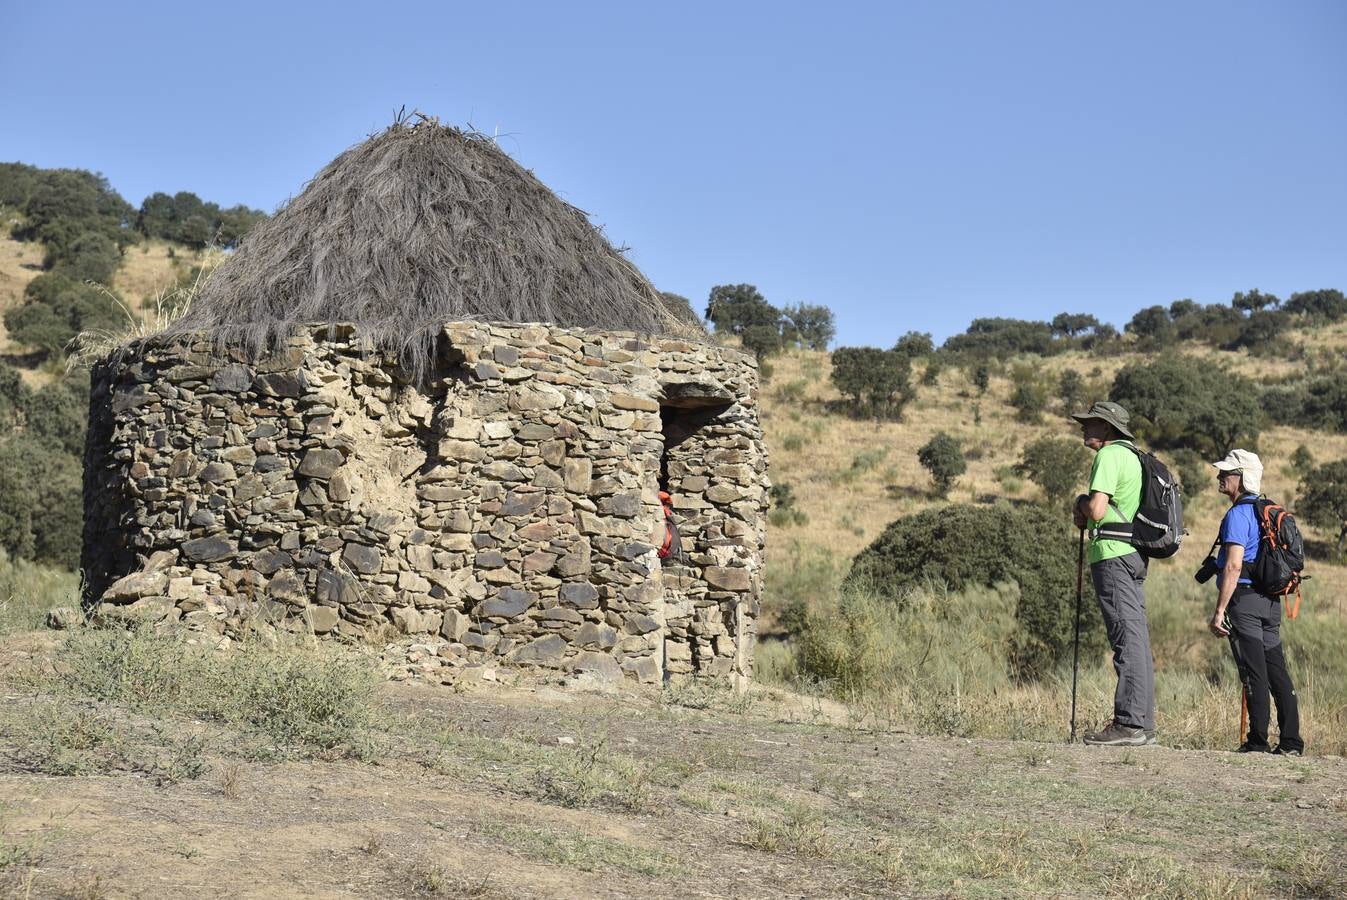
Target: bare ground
column 534, row 790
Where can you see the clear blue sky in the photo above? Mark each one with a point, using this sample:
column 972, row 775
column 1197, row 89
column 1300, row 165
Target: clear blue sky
column 910, row 165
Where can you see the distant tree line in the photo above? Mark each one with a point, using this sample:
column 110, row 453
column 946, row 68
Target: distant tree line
column 741, row 310
column 187, row 219
column 85, row 228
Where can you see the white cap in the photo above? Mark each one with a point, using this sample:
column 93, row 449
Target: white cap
column 1247, row 464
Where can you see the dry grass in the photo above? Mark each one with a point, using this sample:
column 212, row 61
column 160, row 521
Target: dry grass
column 153, row 268
column 19, row 263
column 155, row 315
column 811, row 447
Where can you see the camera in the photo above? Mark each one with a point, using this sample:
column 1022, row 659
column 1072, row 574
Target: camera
column 1209, row 568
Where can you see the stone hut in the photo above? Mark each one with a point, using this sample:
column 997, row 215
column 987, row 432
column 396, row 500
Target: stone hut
column 428, row 397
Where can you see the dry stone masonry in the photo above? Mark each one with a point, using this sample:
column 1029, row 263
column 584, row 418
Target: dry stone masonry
column 504, row 509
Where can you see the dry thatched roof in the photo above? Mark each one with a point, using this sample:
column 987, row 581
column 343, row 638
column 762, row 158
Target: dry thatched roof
column 417, row 226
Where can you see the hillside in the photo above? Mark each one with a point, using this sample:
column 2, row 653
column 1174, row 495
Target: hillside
column 851, row 476
column 137, row 765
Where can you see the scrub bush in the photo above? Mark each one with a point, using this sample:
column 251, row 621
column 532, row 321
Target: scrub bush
column 962, row 545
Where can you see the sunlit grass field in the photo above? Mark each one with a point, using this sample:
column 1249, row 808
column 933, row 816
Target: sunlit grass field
column 939, row 665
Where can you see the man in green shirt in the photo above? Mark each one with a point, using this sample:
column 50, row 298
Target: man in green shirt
column 1118, row 572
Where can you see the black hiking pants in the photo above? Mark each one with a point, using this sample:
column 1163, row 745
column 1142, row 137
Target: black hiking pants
column 1255, row 639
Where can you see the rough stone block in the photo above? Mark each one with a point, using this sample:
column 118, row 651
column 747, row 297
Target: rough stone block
column 287, row 587
column 209, row 549
column 132, row 587
column 728, row 579
column 623, row 506
column 644, row 669
column 322, row 619
column 508, row 603
column 217, row 472
column 576, row 562
column 320, row 464
column 545, row 651
column 627, row 401
column 454, row 625
column 363, row 559
column 592, row 634
column 461, row 450
column 577, row 475
column 601, row 666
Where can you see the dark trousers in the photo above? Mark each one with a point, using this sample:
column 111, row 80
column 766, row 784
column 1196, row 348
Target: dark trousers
column 1255, row 639
column 1118, row 584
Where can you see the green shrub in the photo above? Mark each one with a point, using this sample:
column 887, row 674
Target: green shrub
column 1003, row 338
column 57, row 307
column 962, row 545
column 982, row 377
column 41, row 501
column 808, row 325
column 1302, row 459
column 935, row 364
column 784, row 512
column 1028, row 394
column 1057, row 465
column 14, row 397
column 1324, row 404
column 315, row 699
column 1071, row 390
column 1180, row 401
column 1322, row 499
column 942, row 457
column 914, row 344
column 793, row 390
column 761, row 340
column 878, row 381
column 1195, row 473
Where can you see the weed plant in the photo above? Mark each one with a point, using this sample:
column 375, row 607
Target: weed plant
column 937, row 664
column 303, row 699
column 28, row 590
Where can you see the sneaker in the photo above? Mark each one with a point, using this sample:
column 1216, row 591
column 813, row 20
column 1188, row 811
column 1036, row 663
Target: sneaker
column 1279, row 750
column 1247, row 747
column 1150, row 736
column 1118, row 735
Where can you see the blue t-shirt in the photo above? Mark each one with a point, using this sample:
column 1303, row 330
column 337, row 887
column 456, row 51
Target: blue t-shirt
column 1240, row 526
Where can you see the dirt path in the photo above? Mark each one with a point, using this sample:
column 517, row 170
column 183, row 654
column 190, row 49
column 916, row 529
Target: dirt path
column 536, row 792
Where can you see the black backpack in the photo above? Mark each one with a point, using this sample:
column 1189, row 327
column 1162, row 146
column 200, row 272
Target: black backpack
column 1157, row 529
column 1276, row 570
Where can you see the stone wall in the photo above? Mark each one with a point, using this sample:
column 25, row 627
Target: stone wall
column 509, row 505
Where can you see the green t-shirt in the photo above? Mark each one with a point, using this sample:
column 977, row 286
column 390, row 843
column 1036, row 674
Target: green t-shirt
column 1116, row 472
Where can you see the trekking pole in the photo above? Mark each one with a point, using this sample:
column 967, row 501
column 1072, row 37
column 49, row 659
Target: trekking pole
column 1075, row 653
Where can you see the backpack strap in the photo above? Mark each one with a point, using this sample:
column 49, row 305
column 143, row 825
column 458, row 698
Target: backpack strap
column 1122, row 531
column 1246, row 567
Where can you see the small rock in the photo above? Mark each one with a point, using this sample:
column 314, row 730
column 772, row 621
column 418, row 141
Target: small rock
column 62, row 617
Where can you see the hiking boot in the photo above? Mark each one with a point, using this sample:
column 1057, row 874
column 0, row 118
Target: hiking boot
column 1118, row 735
column 1247, row 747
column 1279, row 750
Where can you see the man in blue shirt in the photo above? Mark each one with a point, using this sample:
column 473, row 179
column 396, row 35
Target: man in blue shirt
column 1252, row 620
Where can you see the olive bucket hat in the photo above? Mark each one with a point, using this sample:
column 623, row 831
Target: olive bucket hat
column 1108, row 411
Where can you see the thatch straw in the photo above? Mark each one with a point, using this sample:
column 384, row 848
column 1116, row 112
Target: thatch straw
column 415, row 227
